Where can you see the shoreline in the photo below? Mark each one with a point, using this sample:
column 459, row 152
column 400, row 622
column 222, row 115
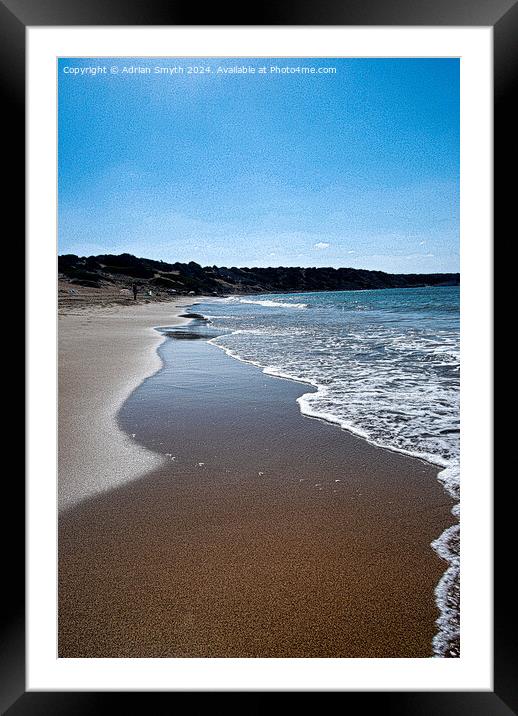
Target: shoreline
column 446, row 545
column 147, row 503
column 330, row 419
column 446, row 641
column 100, row 364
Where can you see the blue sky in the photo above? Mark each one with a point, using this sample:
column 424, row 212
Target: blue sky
column 359, row 167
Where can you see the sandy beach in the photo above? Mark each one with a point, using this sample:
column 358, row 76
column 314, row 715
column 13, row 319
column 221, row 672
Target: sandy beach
column 105, row 351
column 204, row 516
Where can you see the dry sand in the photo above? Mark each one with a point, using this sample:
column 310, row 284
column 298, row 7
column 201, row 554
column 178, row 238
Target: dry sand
column 105, row 351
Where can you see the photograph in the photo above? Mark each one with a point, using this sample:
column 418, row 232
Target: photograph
column 259, row 355
column 258, row 322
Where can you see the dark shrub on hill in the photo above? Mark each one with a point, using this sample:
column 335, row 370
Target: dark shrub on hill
column 164, row 282
column 118, row 261
column 80, row 274
column 67, row 261
column 132, row 271
column 85, row 282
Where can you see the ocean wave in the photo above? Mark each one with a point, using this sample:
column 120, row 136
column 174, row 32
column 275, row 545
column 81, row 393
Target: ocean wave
column 446, row 643
column 266, row 302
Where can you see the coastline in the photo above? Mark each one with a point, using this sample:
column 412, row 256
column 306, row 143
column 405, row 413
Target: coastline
column 195, row 532
column 446, row 641
column 100, row 363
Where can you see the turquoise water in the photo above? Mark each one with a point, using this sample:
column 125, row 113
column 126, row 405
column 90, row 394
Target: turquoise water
column 386, row 365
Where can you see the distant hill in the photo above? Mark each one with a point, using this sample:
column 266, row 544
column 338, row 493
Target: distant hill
column 181, row 278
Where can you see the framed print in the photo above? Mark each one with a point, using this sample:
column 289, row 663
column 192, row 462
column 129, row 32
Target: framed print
column 259, row 290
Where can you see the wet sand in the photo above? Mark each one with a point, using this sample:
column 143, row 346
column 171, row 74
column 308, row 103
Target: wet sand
column 261, row 533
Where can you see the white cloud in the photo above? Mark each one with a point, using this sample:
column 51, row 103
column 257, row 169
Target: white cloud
column 322, row 245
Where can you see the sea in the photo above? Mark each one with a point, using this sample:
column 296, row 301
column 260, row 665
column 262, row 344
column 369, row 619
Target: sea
column 386, row 365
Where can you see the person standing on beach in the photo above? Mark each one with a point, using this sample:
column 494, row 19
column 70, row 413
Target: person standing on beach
column 135, row 291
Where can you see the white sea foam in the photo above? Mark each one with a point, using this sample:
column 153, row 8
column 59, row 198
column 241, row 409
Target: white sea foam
column 265, row 302
column 446, row 641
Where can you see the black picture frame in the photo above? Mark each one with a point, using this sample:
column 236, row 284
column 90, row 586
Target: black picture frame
column 15, row 17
